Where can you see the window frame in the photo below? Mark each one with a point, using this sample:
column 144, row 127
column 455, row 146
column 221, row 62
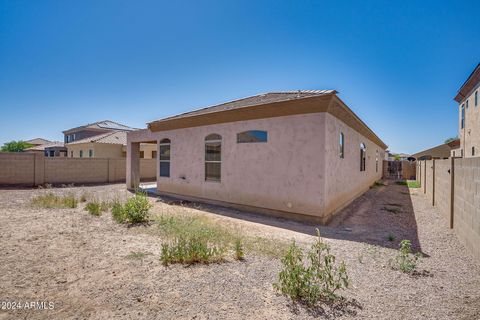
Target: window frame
column 90, row 153
column 164, row 143
column 363, row 157
column 462, row 116
column 376, row 161
column 342, row 145
column 262, row 132
column 211, row 139
column 81, row 153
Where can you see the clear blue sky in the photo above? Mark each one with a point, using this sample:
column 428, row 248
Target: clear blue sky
column 397, row 64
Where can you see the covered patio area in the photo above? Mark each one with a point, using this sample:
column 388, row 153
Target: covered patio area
column 134, row 140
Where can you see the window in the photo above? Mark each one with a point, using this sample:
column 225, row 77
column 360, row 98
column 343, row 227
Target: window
column 473, row 151
column 45, row 153
column 466, row 102
column 252, row 136
column 376, row 161
column 463, row 117
column 71, row 154
column 52, row 153
column 476, row 98
column 81, row 153
column 90, row 153
column 66, row 138
column 363, row 153
column 342, row 141
column 213, row 157
column 164, row 158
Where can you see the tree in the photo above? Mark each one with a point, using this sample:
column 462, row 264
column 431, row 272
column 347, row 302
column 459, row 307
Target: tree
column 451, row 139
column 15, row 146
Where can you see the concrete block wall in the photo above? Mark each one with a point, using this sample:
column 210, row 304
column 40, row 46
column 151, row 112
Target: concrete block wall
column 466, row 220
column 31, row 169
column 453, row 185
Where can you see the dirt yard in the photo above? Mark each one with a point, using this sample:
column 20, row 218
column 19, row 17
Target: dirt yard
column 89, row 267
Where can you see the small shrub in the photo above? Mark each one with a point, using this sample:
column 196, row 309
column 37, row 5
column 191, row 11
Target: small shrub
column 405, row 261
column 118, row 212
column 391, row 237
column 401, row 183
column 312, row 282
column 190, row 251
column 136, row 208
column 239, row 253
column 94, row 208
column 50, row 200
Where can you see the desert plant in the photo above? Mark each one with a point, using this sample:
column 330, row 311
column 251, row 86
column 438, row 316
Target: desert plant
column 391, row 237
column 94, row 208
column 190, row 251
column 316, row 280
column 239, row 252
column 405, row 260
column 413, row 184
column 51, row 200
column 118, row 212
column 136, row 208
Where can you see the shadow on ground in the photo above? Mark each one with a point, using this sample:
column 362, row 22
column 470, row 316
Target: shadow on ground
column 382, row 216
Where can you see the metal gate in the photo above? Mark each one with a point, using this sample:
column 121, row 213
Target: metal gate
column 394, row 170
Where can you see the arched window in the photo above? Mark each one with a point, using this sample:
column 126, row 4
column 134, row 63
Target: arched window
column 164, row 158
column 363, row 155
column 342, row 142
column 252, row 136
column 213, row 157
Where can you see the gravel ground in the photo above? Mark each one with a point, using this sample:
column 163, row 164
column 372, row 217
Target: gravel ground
column 83, row 264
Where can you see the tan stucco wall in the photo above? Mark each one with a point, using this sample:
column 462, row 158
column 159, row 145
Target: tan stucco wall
column 344, row 180
column 289, row 173
column 106, row 150
column 34, row 169
column 470, row 135
column 285, row 174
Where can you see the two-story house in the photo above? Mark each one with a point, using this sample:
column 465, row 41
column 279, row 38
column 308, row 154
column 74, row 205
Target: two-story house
column 102, row 139
column 469, row 116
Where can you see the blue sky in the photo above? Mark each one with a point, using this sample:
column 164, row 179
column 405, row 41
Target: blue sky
column 397, row 64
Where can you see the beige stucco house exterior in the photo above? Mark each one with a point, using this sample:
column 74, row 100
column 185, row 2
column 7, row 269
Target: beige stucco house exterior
column 469, row 116
column 300, row 154
column 112, row 144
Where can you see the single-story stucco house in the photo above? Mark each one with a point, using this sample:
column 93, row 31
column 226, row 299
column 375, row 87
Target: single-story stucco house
column 296, row 154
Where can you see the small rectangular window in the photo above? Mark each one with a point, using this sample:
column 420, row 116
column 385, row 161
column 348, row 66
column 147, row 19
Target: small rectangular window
column 81, row 153
column 213, row 158
column 164, row 158
column 466, row 102
column 476, row 98
column 252, row 136
column 90, row 153
column 342, row 141
column 473, row 151
column 463, row 117
column 71, row 154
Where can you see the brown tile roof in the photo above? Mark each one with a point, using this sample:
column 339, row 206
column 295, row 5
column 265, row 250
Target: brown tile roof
column 113, row 137
column 38, row 141
column 252, row 101
column 103, row 125
column 46, row 145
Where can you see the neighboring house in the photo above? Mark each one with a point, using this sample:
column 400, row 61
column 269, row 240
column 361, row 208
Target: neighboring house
column 299, row 154
column 111, row 144
column 469, row 115
column 50, row 149
column 37, row 141
column 443, row 151
column 93, row 129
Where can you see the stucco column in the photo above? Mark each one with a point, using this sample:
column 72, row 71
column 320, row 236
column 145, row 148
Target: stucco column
column 133, row 165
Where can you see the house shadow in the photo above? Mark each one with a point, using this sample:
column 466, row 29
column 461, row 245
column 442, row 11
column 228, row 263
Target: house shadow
column 383, row 216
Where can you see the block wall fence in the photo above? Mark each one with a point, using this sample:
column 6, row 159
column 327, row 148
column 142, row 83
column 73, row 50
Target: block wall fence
column 33, row 169
column 453, row 185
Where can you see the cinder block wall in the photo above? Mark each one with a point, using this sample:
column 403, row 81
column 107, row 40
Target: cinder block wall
column 466, row 220
column 429, row 180
column 17, row 168
column 34, row 169
column 464, row 214
column 443, row 189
